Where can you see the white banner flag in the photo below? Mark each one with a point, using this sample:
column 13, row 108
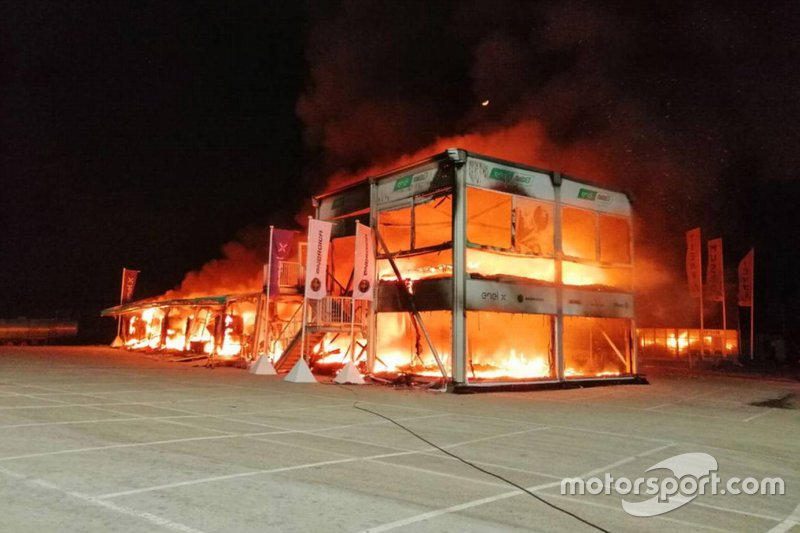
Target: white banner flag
column 319, row 236
column 364, row 267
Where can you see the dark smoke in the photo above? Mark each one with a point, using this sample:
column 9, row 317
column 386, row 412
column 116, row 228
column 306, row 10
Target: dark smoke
column 674, row 102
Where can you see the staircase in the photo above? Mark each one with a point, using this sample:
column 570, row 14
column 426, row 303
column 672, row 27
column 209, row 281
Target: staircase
column 292, row 352
column 332, row 314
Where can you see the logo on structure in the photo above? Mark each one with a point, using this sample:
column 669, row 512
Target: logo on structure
column 403, row 183
column 589, row 194
column 315, row 284
column 501, row 174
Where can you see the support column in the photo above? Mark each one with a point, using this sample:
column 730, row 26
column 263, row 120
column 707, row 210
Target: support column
column 558, row 326
column 372, row 319
column 459, row 329
column 634, row 350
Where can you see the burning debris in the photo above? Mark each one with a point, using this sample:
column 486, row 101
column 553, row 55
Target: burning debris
column 214, row 325
column 485, row 272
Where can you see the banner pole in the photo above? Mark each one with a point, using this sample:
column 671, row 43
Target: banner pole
column 353, row 306
column 702, row 329
column 752, row 304
column 353, row 327
column 305, row 299
column 267, row 335
column 303, row 329
column 739, row 329
column 724, row 291
column 724, row 314
column 702, row 297
column 121, row 296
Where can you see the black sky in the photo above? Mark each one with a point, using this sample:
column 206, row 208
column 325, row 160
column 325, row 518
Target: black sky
column 147, row 134
column 140, row 134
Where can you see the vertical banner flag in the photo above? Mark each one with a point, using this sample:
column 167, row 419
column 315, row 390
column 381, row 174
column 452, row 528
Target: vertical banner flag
column 694, row 263
column 319, row 236
column 715, row 273
column 746, row 279
column 281, row 250
column 129, row 278
column 364, row 269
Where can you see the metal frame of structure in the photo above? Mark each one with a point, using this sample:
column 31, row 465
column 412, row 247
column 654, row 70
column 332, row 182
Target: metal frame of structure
column 454, row 171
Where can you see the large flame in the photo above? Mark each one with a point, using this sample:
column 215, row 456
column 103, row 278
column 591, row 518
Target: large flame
column 181, row 329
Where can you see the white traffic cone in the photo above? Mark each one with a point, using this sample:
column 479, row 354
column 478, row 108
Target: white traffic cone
column 263, row 366
column 300, row 373
column 349, row 374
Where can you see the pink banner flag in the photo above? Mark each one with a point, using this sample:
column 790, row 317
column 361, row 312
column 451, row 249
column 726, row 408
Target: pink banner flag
column 746, row 267
column 694, row 263
column 129, row 278
column 715, row 272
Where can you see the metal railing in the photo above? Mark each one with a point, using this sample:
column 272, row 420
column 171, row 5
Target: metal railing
column 291, row 274
column 288, row 332
column 337, row 310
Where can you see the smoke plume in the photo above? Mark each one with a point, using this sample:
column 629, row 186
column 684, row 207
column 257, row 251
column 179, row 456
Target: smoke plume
column 606, row 92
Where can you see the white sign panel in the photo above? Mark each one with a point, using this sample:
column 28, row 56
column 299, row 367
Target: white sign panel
column 495, row 176
column 594, row 198
column 401, row 186
column 577, row 302
column 319, row 236
column 364, row 266
column 487, row 295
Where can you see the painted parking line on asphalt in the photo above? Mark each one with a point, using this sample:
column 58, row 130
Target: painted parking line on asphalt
column 111, row 506
column 491, row 499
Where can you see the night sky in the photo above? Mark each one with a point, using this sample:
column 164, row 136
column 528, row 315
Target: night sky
column 148, row 134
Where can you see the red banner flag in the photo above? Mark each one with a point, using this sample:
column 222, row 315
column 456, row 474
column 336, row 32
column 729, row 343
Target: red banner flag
column 715, row 273
column 694, row 263
column 746, row 269
column 129, row 278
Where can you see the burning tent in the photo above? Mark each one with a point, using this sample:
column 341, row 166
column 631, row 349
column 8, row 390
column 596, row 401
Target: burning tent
column 227, row 327
column 212, row 325
column 487, row 273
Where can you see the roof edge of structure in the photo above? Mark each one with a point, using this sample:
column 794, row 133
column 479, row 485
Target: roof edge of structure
column 451, row 153
column 147, row 303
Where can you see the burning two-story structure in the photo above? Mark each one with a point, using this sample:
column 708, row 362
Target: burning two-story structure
column 488, row 273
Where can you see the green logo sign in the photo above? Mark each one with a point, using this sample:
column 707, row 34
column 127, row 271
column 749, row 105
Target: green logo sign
column 403, row 182
column 587, row 194
column 522, row 179
column 500, row 174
